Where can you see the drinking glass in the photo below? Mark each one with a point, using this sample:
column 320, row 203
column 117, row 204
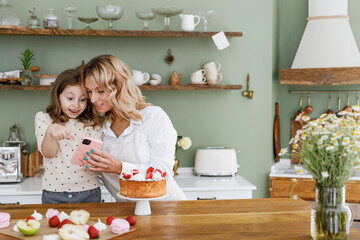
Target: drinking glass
column 110, row 13
column 146, row 17
column 205, row 16
column 70, row 10
column 167, row 13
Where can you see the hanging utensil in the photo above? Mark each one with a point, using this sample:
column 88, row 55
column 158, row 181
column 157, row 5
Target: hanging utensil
column 329, row 111
column 301, row 110
column 348, row 108
column 339, row 104
column 308, row 108
column 277, row 133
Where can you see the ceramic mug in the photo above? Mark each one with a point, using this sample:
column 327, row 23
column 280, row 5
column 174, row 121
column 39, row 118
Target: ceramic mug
column 199, row 73
column 213, row 78
column 212, row 68
column 139, row 77
column 197, row 79
column 156, row 78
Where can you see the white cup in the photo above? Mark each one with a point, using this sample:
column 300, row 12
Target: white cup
column 139, row 77
column 213, row 78
column 156, row 78
column 154, row 82
column 199, row 73
column 212, row 68
column 198, row 79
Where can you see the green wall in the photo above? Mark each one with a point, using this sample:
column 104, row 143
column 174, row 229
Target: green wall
column 209, row 118
column 292, row 23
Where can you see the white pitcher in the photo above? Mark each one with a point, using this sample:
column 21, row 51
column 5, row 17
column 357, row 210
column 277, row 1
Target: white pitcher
column 139, row 77
column 188, row 22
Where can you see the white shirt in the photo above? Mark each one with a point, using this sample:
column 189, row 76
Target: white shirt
column 60, row 174
column 150, row 142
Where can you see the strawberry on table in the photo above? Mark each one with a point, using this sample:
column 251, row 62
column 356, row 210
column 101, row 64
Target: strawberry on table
column 30, row 218
column 109, row 220
column 93, row 232
column 131, row 220
column 54, row 221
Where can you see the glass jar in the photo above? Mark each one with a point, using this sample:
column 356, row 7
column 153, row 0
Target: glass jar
column 33, row 21
column 51, row 20
column 26, row 77
column 9, row 15
column 331, row 217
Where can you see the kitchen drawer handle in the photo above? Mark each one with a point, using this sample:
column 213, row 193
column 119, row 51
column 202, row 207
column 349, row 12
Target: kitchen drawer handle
column 213, row 198
column 15, row 203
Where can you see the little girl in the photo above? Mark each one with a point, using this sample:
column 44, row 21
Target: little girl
column 58, row 132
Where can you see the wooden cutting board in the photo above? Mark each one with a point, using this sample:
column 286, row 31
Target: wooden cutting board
column 276, row 133
column 295, row 125
column 45, row 229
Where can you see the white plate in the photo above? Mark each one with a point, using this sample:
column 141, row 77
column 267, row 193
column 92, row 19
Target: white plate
column 138, row 199
column 202, row 83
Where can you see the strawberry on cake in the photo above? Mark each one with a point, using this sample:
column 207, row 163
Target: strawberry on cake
column 138, row 184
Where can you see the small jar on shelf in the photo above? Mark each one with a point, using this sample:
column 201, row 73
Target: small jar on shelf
column 33, row 21
column 51, row 20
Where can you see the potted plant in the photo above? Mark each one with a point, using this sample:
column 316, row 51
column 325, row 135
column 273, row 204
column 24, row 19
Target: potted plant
column 27, row 57
column 328, row 148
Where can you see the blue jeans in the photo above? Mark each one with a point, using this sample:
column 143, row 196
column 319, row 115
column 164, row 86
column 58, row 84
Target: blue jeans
column 88, row 196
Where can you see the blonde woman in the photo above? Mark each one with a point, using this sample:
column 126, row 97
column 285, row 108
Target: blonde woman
column 136, row 135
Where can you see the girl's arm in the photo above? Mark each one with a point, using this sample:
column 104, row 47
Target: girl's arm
column 54, row 133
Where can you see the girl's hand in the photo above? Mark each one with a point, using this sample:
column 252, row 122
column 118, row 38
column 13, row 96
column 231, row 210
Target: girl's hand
column 60, row 132
column 102, row 162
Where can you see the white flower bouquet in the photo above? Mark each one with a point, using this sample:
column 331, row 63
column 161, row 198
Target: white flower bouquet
column 183, row 142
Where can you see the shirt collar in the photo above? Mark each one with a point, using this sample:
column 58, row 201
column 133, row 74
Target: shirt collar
column 107, row 130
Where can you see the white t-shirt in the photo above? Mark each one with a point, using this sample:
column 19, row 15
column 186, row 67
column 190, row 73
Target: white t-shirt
column 150, row 142
column 60, row 175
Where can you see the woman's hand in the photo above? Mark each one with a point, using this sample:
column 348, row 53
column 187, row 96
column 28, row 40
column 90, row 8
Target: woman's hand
column 60, row 132
column 102, row 162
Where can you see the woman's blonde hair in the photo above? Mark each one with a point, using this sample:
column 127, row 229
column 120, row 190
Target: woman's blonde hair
column 111, row 74
column 70, row 77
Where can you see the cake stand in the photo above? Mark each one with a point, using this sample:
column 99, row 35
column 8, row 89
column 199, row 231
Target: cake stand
column 142, row 206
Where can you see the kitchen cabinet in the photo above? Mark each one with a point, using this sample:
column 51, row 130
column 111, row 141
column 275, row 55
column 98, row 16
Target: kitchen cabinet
column 119, row 33
column 195, row 188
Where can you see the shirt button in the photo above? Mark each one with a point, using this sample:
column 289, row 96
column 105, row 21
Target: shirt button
column 70, row 196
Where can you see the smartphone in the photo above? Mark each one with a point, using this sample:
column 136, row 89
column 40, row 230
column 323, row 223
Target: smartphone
column 85, row 146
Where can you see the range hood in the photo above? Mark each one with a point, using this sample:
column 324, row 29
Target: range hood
column 327, row 54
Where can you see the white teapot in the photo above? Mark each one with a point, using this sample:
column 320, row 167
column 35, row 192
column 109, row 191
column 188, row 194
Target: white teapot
column 188, row 22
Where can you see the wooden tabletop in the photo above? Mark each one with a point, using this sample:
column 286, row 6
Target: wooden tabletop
column 272, row 218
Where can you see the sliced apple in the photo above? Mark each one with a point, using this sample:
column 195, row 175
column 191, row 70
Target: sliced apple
column 79, row 217
column 28, row 228
column 73, row 232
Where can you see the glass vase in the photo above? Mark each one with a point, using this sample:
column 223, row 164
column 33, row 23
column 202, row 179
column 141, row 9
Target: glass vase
column 176, row 164
column 26, row 77
column 331, row 217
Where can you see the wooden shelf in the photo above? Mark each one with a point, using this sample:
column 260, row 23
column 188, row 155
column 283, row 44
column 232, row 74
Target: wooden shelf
column 143, row 87
column 320, row 76
column 108, row 33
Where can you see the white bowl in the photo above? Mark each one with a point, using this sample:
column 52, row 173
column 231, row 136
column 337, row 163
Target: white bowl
column 46, row 79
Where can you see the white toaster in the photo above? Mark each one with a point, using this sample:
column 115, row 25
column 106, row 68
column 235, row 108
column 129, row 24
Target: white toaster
column 215, row 161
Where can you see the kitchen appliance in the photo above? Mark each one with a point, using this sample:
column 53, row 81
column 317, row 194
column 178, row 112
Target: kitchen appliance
column 216, row 161
column 10, row 164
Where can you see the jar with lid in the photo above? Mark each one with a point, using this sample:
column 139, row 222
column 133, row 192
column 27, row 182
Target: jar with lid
column 51, row 20
column 33, row 21
column 9, row 15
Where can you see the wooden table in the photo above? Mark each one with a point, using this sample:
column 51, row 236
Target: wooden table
column 206, row 219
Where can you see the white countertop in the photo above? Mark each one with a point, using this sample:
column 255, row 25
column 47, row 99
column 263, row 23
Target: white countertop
column 186, row 180
column 189, row 182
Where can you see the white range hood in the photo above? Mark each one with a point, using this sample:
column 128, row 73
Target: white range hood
column 327, row 54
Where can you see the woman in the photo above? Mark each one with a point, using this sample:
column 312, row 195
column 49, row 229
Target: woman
column 136, row 135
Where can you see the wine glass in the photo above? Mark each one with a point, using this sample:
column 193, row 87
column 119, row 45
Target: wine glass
column 146, row 17
column 110, row 13
column 167, row 13
column 70, row 10
column 88, row 20
column 205, row 16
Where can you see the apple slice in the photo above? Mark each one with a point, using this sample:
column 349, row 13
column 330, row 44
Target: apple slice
column 79, row 217
column 70, row 231
column 28, row 228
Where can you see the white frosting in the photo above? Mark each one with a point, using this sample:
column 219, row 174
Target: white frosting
column 63, row 216
column 100, row 226
column 141, row 176
column 51, row 237
column 37, row 216
column 51, row 212
column 15, row 228
column 157, row 175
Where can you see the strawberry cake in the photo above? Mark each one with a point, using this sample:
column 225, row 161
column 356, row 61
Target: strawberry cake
column 137, row 184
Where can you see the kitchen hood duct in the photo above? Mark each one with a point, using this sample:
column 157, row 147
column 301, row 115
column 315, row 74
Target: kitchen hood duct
column 327, row 54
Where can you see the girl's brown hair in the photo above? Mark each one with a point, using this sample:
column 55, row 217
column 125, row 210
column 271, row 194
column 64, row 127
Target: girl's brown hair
column 70, row 77
column 111, row 74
